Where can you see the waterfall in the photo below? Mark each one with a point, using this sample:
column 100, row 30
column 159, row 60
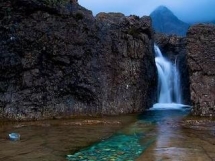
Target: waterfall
column 177, row 84
column 169, row 90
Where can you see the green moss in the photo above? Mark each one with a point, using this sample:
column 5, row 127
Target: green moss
column 55, row 2
column 134, row 32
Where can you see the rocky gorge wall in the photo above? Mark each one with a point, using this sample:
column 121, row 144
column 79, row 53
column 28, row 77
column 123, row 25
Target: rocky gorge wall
column 57, row 60
column 201, row 62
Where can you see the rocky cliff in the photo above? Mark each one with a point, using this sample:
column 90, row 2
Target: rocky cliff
column 174, row 48
column 201, row 62
column 57, row 60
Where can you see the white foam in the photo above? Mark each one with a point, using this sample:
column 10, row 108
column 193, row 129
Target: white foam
column 169, row 106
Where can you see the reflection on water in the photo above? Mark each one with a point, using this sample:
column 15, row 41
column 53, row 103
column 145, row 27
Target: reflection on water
column 157, row 135
column 52, row 140
column 130, row 142
column 159, row 116
column 177, row 141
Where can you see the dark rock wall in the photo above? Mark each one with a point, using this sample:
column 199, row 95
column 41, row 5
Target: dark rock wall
column 127, row 63
column 57, row 60
column 174, row 48
column 201, row 62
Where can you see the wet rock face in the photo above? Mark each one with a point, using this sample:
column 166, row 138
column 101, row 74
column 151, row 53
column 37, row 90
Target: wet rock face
column 57, row 60
column 174, row 47
column 201, row 61
column 128, row 73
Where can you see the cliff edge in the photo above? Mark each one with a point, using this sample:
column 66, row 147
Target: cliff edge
column 201, row 62
column 57, row 60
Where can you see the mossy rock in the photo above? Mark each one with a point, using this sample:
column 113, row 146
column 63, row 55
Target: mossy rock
column 134, row 32
column 55, row 2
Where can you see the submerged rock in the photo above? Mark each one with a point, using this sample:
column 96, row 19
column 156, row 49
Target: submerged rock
column 201, row 62
column 57, row 60
column 14, row 136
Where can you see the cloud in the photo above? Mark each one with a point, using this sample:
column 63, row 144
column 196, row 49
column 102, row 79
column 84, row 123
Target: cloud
column 186, row 10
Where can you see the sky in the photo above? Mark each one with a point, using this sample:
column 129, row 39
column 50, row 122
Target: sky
column 186, row 10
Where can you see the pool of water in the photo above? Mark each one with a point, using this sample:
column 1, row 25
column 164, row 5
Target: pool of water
column 180, row 137
column 52, row 140
column 130, row 142
column 155, row 135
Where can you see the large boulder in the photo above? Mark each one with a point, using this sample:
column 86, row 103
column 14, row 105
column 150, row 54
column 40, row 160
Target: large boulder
column 201, row 62
column 57, row 60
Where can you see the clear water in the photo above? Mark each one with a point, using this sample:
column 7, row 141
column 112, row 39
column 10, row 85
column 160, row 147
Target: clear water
column 119, row 147
column 129, row 143
column 125, row 145
column 52, row 140
column 160, row 134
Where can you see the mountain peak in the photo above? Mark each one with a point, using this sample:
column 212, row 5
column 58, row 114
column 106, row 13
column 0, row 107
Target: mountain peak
column 164, row 21
column 162, row 8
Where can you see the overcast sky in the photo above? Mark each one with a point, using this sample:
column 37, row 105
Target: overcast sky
column 186, row 10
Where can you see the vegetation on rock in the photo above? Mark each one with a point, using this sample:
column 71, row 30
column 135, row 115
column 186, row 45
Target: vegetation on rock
column 56, row 2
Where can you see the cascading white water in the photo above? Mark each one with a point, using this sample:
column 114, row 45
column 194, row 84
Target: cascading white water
column 168, row 80
column 177, row 84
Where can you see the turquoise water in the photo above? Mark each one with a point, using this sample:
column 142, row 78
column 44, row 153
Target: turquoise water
column 118, row 148
column 129, row 143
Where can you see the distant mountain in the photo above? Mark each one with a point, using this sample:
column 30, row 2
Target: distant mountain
column 164, row 21
column 213, row 22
